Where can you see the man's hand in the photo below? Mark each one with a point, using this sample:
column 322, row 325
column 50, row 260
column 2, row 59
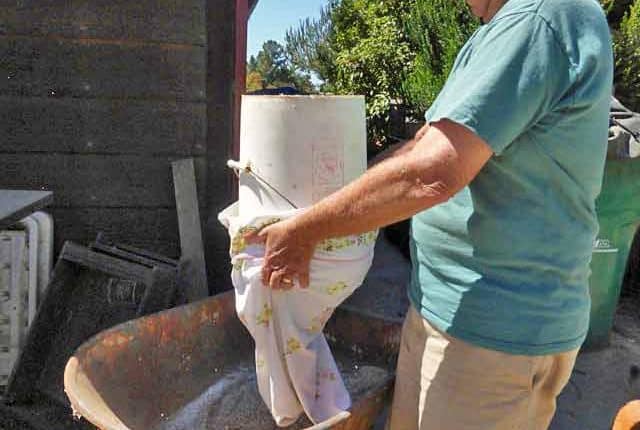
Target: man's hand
column 288, row 252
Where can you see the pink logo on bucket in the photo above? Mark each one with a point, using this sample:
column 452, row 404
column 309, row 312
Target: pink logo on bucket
column 328, row 170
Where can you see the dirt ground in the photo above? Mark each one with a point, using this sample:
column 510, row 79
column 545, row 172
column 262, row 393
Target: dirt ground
column 603, row 381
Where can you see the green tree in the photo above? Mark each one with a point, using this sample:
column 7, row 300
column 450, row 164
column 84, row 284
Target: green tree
column 254, row 81
column 372, row 57
column 615, row 10
column 271, row 63
column 308, row 46
column 437, row 29
column 627, row 61
column 273, row 68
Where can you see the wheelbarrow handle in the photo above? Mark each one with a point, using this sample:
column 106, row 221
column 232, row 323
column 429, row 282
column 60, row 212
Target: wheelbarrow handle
column 326, row 425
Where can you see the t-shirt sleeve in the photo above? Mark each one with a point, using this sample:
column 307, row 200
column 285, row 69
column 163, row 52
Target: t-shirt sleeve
column 506, row 82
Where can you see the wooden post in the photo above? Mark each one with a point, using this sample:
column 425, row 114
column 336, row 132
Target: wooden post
column 191, row 246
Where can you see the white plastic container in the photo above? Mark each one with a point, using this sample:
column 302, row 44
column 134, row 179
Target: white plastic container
column 306, row 147
column 25, row 264
column 13, row 292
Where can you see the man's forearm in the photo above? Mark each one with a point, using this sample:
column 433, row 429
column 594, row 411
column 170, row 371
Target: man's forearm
column 384, row 195
column 393, row 190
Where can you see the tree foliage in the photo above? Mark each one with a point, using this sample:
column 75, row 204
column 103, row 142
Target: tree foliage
column 254, row 81
column 308, row 47
column 437, row 29
column 616, row 10
column 401, row 51
column 272, row 69
column 627, row 53
column 372, row 56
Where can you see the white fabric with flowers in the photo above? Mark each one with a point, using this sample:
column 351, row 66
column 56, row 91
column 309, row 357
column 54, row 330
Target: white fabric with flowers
column 296, row 371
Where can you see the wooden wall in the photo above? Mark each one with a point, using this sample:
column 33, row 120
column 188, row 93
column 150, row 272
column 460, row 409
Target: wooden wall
column 98, row 97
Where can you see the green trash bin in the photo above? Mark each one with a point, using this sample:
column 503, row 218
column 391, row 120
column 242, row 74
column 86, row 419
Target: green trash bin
column 618, row 209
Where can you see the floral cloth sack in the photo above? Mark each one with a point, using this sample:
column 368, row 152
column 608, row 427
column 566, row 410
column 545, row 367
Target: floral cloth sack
column 296, row 371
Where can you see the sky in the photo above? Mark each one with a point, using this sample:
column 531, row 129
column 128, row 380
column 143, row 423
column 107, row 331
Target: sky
column 272, row 18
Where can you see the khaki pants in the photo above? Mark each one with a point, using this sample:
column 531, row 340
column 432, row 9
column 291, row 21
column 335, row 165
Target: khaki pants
column 443, row 383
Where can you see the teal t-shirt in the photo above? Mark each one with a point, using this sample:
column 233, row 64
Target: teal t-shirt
column 504, row 264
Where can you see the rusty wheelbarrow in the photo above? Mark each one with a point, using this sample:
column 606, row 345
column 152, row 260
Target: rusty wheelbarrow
column 192, row 367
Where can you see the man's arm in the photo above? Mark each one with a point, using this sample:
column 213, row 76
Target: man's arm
column 400, row 147
column 441, row 163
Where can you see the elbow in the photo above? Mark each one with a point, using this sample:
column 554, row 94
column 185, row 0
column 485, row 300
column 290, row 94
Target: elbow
column 432, row 193
column 437, row 189
column 447, row 194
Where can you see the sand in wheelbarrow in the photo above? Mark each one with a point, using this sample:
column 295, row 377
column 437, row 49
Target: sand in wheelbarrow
column 233, row 402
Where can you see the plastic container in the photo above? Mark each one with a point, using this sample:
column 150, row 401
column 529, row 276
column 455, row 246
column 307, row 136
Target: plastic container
column 13, row 289
column 305, row 147
column 25, row 265
column 618, row 209
column 45, row 249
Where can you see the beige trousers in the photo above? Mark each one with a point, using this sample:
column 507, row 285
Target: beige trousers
column 443, row 383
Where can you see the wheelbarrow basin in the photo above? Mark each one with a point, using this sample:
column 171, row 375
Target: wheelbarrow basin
column 192, row 367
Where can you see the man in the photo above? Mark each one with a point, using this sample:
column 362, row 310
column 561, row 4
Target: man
column 501, row 185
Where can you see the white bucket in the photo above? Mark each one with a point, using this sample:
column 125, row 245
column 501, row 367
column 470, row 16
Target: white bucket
column 305, row 147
